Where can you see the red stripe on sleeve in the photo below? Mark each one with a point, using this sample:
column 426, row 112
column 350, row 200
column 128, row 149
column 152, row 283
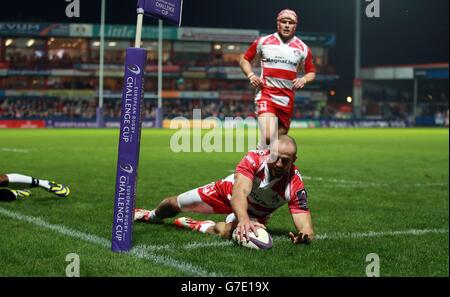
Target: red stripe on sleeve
column 309, row 65
column 251, row 51
column 249, row 165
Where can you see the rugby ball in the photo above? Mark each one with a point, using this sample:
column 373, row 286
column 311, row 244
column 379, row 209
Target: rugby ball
column 262, row 242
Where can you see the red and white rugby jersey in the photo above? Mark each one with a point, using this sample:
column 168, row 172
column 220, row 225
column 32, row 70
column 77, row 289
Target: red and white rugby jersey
column 268, row 195
column 279, row 64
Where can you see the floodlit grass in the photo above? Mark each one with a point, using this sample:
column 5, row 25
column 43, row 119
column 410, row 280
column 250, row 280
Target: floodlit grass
column 358, row 180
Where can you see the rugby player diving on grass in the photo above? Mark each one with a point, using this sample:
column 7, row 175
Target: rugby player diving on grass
column 263, row 182
column 12, row 187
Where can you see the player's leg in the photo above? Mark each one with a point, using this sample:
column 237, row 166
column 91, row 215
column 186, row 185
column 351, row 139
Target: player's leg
column 267, row 122
column 189, row 201
column 15, row 179
column 11, row 194
column 282, row 130
column 167, row 208
column 268, row 127
column 223, row 229
column 3, row 180
column 6, row 195
column 284, row 116
column 212, row 198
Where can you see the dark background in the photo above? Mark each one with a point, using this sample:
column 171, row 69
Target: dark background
column 407, row 32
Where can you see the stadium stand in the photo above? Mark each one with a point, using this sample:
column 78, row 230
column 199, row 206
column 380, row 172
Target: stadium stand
column 50, row 72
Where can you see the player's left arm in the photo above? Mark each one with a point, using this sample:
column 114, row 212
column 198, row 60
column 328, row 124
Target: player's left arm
column 301, row 214
column 305, row 230
column 310, row 72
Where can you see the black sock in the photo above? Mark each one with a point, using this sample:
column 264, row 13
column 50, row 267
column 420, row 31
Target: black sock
column 7, row 195
column 34, row 182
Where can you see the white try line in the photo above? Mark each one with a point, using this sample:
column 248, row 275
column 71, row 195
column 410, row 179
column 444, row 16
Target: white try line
column 357, row 184
column 14, row 150
column 333, row 236
column 138, row 251
column 411, row 232
column 145, row 251
column 342, row 183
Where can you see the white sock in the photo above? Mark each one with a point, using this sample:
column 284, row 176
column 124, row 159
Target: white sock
column 152, row 214
column 15, row 178
column 44, row 184
column 28, row 180
column 204, row 226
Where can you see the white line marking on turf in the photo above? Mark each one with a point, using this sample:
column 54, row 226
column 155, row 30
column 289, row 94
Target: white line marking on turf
column 144, row 251
column 15, row 150
column 138, row 251
column 335, row 236
column 414, row 232
column 189, row 246
column 355, row 183
column 342, row 183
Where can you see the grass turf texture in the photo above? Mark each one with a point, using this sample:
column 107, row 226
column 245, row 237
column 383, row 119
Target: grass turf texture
column 358, row 180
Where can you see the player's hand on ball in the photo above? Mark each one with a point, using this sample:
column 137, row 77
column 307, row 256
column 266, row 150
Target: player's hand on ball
column 244, row 228
column 301, row 238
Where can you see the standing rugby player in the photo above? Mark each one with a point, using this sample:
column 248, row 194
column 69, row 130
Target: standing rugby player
column 283, row 56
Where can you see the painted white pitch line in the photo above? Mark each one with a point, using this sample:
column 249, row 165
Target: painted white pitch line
column 335, row 236
column 414, row 232
column 144, row 251
column 138, row 251
column 15, row 150
column 355, row 184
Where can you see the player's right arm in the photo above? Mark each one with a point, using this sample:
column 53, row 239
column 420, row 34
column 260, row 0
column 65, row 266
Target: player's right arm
column 246, row 65
column 241, row 189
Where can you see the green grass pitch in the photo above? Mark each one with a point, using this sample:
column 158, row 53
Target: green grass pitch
column 390, row 181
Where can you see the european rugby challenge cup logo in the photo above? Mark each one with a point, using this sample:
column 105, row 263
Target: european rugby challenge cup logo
column 127, row 168
column 135, row 69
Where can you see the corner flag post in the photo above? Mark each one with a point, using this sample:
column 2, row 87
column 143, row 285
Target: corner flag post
column 131, row 122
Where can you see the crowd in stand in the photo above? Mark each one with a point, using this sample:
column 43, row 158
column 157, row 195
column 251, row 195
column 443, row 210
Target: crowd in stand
column 86, row 109
column 46, row 109
column 83, row 109
column 18, row 60
column 392, row 105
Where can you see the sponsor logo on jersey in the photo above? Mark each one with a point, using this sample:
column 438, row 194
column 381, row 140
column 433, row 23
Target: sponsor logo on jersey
column 279, row 60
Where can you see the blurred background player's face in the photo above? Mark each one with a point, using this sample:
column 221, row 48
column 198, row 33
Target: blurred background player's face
column 283, row 160
column 286, row 28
